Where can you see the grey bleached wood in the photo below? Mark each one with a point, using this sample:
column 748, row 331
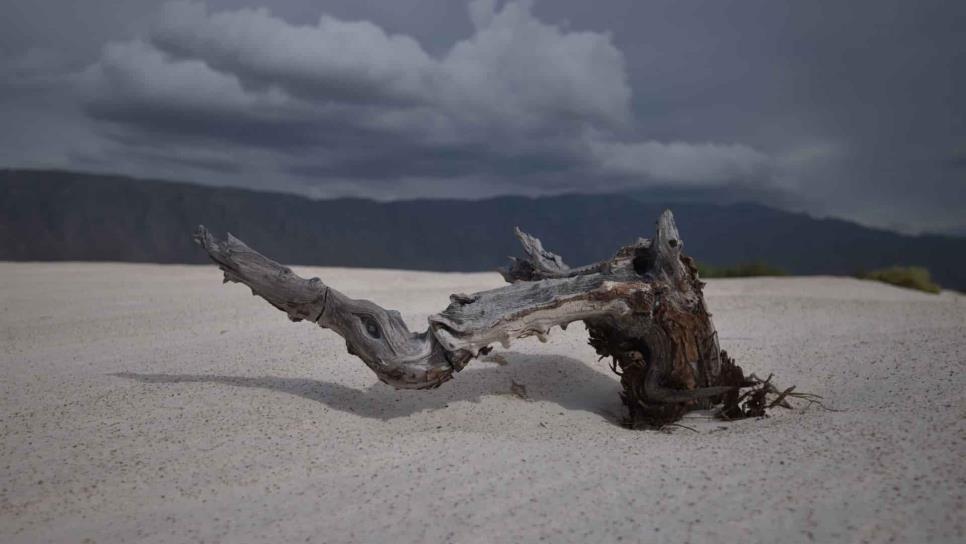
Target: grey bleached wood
column 539, row 264
column 542, row 264
column 377, row 336
column 380, row 337
column 644, row 308
column 472, row 322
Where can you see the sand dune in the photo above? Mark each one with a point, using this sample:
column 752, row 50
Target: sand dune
column 142, row 402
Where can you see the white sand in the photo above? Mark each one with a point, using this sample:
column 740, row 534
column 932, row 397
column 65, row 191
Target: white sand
column 152, row 403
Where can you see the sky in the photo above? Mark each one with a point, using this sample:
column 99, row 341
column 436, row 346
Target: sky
column 846, row 109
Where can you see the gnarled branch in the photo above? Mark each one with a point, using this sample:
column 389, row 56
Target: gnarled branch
column 644, row 307
column 377, row 336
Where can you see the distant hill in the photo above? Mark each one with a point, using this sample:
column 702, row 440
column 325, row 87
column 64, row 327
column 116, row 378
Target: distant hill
column 959, row 231
column 49, row 215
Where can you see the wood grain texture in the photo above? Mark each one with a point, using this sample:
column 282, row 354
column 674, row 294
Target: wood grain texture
column 644, row 308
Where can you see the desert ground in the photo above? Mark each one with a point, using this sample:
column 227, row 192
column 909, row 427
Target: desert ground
column 152, row 403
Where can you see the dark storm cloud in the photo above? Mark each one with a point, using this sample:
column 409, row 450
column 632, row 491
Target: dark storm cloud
column 848, row 108
column 861, row 101
column 515, row 97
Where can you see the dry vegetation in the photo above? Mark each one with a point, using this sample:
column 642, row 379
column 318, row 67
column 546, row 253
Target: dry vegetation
column 910, row 277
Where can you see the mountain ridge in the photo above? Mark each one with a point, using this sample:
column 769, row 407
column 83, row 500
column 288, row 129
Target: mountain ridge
column 59, row 215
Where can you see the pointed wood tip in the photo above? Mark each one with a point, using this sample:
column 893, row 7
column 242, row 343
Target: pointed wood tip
column 200, row 235
column 667, row 230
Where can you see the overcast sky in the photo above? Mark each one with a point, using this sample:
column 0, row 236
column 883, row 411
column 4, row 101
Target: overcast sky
column 849, row 108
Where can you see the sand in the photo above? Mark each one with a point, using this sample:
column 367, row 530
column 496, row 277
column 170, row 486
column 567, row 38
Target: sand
column 151, row 403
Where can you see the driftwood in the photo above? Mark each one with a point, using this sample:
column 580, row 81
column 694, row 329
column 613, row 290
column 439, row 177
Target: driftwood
column 644, row 308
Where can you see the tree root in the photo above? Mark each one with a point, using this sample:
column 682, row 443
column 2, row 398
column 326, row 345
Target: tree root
column 744, row 397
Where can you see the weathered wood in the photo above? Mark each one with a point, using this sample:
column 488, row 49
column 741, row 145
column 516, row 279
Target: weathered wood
column 644, row 308
column 377, row 336
column 665, row 350
column 542, row 264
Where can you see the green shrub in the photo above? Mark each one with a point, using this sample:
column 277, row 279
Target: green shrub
column 744, row 270
column 910, row 277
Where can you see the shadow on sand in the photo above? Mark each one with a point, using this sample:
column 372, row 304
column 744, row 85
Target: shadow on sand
column 567, row 382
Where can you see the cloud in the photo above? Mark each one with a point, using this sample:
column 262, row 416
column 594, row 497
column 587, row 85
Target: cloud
column 683, row 162
column 517, row 70
column 414, row 99
column 332, row 60
column 35, row 68
column 135, row 77
column 519, row 102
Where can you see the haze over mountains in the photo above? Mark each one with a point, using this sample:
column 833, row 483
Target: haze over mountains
column 53, row 215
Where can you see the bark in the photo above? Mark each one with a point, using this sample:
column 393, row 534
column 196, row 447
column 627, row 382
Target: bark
column 644, row 308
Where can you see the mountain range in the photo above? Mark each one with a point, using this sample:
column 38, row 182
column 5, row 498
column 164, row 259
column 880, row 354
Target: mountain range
column 57, row 215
